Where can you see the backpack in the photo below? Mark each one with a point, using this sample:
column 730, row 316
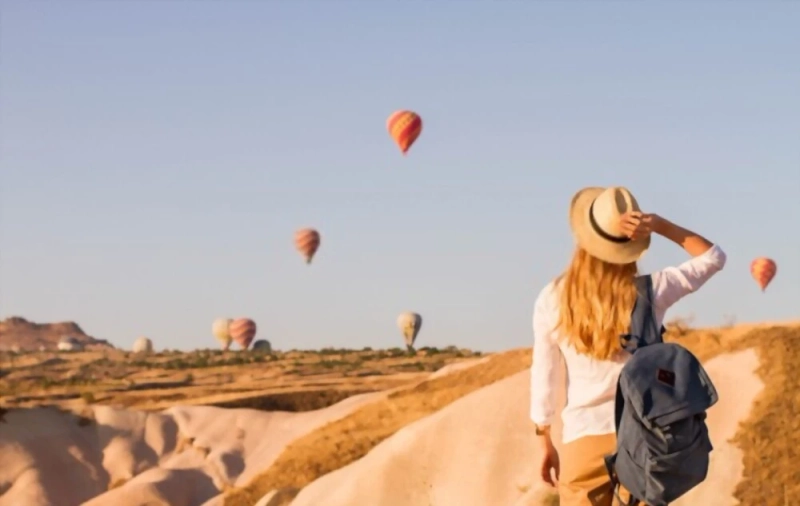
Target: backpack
column 663, row 393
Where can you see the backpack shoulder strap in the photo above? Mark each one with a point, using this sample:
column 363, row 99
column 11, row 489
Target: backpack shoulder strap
column 643, row 329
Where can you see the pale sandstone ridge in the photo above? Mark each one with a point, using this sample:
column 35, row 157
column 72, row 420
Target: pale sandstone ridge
column 183, row 456
column 19, row 334
column 479, row 450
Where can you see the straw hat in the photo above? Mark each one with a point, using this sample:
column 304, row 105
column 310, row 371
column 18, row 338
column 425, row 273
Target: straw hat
column 594, row 216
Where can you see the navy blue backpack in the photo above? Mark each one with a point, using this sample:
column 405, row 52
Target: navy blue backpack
column 663, row 393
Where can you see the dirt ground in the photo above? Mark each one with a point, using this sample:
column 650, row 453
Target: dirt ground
column 299, row 381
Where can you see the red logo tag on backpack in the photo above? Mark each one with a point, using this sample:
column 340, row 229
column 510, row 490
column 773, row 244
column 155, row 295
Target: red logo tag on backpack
column 666, row 377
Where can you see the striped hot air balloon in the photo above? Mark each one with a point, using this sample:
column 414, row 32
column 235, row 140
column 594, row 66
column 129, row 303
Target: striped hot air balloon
column 307, row 240
column 763, row 269
column 409, row 324
column 243, row 331
column 404, row 127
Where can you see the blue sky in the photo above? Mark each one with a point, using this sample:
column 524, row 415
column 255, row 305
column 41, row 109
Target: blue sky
column 157, row 157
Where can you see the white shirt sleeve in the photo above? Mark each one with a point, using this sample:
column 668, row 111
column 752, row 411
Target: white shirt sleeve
column 673, row 283
column 546, row 360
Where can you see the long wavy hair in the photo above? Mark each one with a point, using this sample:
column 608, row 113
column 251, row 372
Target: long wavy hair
column 596, row 299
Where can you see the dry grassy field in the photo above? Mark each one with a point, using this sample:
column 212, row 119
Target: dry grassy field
column 285, row 381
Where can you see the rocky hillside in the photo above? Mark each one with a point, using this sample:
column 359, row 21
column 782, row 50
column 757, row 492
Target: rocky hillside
column 18, row 334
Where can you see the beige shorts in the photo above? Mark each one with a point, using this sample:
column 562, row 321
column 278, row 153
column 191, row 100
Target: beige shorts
column 583, row 479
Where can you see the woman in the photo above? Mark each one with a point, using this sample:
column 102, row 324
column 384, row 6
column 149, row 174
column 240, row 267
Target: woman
column 579, row 318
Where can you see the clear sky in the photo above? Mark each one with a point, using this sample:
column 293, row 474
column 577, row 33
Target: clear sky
column 158, row 156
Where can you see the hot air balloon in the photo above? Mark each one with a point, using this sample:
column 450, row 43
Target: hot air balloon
column 142, row 345
column 404, row 127
column 409, row 324
column 243, row 331
column 263, row 346
column 306, row 240
column 763, row 269
column 220, row 329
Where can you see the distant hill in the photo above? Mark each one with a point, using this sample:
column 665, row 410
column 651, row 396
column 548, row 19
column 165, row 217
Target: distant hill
column 19, row 334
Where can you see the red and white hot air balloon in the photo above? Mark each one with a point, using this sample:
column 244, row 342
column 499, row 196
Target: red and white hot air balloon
column 404, row 127
column 763, row 269
column 242, row 331
column 307, row 240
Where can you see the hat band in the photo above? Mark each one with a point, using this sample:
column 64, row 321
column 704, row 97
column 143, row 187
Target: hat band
column 602, row 233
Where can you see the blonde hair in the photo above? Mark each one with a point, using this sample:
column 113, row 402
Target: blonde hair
column 596, row 300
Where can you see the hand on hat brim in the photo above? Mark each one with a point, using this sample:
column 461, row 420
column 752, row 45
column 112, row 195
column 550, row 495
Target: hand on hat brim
column 637, row 225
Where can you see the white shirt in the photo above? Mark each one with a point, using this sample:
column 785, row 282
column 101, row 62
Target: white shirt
column 591, row 383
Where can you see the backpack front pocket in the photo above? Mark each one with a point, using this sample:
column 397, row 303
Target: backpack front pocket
column 680, row 471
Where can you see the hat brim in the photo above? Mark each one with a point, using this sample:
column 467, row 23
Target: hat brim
column 588, row 239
